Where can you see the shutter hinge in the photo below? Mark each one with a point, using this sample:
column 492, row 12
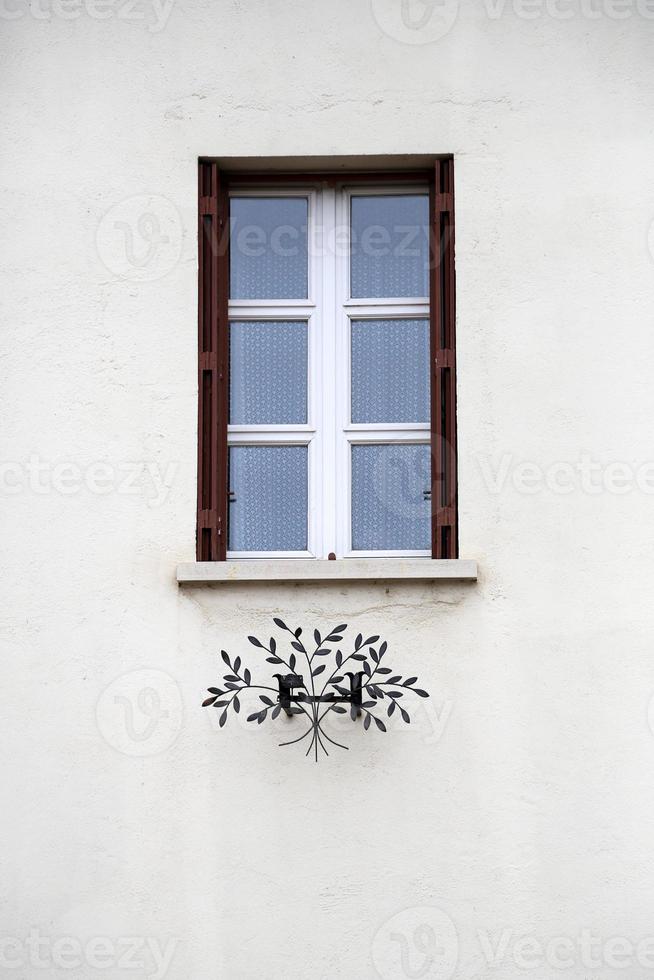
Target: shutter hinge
column 208, row 361
column 444, row 359
column 443, row 202
column 208, row 205
column 444, row 517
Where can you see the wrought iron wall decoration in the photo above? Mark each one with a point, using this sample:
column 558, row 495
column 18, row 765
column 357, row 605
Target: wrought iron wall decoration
column 368, row 691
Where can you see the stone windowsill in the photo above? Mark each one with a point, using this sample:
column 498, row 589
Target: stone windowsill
column 317, row 570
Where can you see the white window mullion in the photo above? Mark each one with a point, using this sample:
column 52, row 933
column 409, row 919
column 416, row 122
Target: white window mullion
column 329, row 367
column 271, row 311
column 341, row 383
column 316, row 411
column 361, row 435
column 281, row 435
column 360, row 309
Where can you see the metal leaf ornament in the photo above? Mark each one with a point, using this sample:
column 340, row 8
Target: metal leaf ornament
column 368, row 689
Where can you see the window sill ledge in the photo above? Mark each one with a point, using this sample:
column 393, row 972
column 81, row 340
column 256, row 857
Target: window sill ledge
column 316, row 570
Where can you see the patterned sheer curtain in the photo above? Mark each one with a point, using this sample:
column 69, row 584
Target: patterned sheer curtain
column 268, row 370
column 390, row 370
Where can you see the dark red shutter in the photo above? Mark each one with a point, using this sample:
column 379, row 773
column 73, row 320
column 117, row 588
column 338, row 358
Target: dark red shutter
column 445, row 543
column 213, row 363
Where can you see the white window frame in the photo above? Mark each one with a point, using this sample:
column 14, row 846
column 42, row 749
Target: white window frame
column 329, row 310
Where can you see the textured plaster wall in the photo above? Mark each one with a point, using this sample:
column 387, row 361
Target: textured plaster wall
column 520, row 802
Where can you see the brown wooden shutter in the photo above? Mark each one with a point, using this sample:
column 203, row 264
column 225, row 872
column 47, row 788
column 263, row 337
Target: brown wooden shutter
column 445, row 543
column 213, row 363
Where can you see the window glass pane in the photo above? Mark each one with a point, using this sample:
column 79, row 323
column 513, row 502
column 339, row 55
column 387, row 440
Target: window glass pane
column 389, row 510
column 268, row 247
column 390, row 245
column 268, row 372
column 269, row 484
column 390, row 371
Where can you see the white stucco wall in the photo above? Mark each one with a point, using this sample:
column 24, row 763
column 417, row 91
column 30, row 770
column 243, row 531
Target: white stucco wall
column 519, row 803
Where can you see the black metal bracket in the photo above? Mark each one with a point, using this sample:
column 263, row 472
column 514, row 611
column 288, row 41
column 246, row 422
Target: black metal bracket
column 288, row 682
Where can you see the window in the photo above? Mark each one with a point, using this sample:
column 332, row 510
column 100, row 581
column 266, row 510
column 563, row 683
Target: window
column 326, row 366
